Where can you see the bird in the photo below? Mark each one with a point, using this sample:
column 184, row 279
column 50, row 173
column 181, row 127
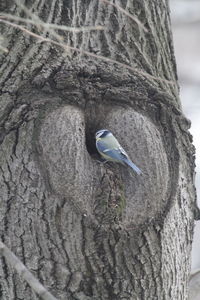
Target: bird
column 110, row 149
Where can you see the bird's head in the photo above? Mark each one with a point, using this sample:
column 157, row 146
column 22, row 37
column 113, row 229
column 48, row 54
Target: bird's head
column 102, row 134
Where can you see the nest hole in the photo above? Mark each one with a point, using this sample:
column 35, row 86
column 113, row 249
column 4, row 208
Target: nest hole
column 91, row 142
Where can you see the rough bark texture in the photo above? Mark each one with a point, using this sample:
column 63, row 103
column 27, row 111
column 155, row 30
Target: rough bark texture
column 86, row 230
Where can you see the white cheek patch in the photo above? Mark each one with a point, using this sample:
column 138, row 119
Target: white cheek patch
column 109, row 134
column 98, row 135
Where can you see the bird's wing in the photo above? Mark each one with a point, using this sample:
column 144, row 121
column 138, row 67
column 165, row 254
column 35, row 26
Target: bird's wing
column 126, row 159
column 114, row 153
column 117, row 154
column 101, row 146
column 122, row 151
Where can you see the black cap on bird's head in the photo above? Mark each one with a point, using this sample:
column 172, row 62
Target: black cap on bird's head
column 102, row 133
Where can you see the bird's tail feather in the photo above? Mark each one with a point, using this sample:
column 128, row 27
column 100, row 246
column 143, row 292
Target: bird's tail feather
column 133, row 166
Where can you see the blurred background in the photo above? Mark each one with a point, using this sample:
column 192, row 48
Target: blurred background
column 185, row 16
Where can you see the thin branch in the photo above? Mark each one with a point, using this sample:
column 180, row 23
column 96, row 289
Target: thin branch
column 136, row 20
column 25, row 273
column 50, row 28
column 66, row 47
column 51, row 25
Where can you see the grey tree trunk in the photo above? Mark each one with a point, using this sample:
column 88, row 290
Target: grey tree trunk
column 87, row 230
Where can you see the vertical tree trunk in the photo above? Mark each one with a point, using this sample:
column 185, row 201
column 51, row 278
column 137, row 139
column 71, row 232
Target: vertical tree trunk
column 86, row 230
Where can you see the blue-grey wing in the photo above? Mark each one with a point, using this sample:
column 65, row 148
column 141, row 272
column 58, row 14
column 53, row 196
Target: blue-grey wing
column 101, row 146
column 115, row 154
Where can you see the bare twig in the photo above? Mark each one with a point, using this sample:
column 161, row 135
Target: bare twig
column 25, row 273
column 136, row 20
column 50, row 25
column 66, row 47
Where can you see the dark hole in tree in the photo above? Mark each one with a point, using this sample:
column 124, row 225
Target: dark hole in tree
column 91, row 142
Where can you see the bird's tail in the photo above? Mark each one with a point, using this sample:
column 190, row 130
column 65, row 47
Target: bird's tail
column 133, row 166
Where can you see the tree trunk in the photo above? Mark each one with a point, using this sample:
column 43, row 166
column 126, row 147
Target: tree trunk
column 87, row 230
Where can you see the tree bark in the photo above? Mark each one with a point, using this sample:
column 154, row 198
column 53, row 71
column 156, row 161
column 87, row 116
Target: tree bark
column 87, row 230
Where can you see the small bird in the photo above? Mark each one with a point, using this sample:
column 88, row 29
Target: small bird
column 110, row 149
